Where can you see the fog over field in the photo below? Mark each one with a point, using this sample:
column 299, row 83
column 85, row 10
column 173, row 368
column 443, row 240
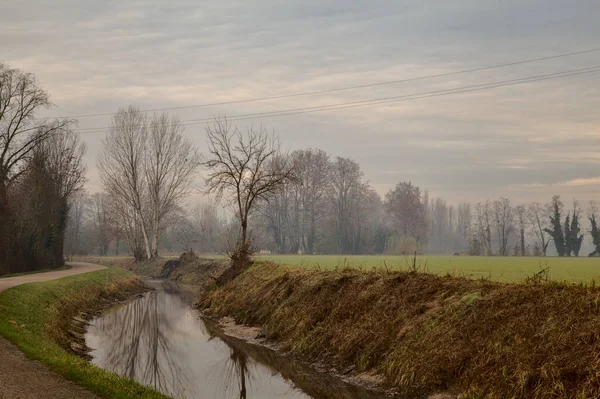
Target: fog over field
column 526, row 142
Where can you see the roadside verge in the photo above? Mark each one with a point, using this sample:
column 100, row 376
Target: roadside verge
column 36, row 317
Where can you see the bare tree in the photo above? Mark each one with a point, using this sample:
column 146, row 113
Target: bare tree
column 313, row 170
column 537, row 215
column 246, row 168
column 406, row 210
column 20, row 132
column 169, row 165
column 63, row 152
column 521, row 216
column 344, row 193
column 505, row 224
column 102, row 220
column 483, row 225
column 463, row 223
column 187, row 234
column 149, row 166
column 78, row 212
column 121, row 166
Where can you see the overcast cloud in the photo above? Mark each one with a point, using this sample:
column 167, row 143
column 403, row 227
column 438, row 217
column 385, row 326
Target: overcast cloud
column 526, row 142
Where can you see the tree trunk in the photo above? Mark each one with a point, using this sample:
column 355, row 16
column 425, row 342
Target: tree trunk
column 146, row 240
column 155, row 243
column 243, row 236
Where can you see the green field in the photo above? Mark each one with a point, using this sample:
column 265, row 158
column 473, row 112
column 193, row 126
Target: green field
column 505, row 269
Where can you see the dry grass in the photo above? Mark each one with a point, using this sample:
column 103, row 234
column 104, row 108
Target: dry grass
column 185, row 269
column 90, row 299
column 426, row 333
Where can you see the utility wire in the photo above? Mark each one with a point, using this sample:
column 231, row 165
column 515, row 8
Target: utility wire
column 309, row 93
column 384, row 100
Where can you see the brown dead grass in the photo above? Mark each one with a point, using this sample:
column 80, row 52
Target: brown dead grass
column 62, row 325
column 425, row 333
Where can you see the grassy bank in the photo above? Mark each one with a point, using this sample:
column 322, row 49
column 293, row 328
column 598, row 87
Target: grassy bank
column 185, row 269
column 37, row 317
column 425, row 333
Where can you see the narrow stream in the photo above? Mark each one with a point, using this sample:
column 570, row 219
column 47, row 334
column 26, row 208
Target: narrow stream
column 160, row 341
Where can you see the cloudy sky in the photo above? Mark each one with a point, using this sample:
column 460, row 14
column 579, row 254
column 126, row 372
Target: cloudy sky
column 525, row 141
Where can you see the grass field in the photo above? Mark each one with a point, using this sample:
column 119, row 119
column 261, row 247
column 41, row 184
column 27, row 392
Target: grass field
column 504, row 269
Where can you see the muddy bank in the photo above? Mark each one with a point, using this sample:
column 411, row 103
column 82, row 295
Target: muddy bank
column 70, row 315
column 423, row 334
column 316, row 382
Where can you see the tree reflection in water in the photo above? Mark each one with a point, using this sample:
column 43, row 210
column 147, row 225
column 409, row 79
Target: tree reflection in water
column 136, row 342
column 159, row 341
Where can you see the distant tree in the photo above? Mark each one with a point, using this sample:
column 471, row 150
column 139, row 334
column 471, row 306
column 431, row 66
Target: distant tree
column 344, row 194
column 313, row 171
column 567, row 233
column 78, row 214
column 537, row 249
column 556, row 231
column 475, row 247
column 483, row 225
column 463, row 223
column 504, row 221
column 536, row 215
column 406, row 211
column 575, row 239
column 594, row 231
column 206, row 218
column 102, row 221
column 187, row 234
column 521, row 216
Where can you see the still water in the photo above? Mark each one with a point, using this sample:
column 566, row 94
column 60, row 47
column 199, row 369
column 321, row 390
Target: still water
column 160, row 341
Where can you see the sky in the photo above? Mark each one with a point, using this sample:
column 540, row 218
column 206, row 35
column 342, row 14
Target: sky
column 526, row 142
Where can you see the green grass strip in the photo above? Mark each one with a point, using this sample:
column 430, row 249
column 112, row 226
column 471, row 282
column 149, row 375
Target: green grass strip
column 24, row 316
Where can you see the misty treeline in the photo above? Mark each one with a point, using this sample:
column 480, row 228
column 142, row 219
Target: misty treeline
column 304, row 202
column 330, row 209
column 40, row 172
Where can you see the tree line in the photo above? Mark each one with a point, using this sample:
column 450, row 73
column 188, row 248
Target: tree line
column 41, row 169
column 319, row 204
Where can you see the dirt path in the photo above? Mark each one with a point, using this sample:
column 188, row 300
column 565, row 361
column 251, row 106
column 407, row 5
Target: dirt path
column 21, row 378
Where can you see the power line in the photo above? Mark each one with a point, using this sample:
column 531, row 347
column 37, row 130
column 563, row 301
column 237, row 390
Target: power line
column 309, row 93
column 384, row 100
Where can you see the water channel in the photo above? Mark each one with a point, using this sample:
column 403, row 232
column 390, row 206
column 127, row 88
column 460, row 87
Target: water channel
column 159, row 340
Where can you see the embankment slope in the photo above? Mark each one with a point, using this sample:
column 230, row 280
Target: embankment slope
column 423, row 334
column 37, row 318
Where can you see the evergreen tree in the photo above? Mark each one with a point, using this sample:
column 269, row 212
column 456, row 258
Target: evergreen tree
column 567, row 233
column 575, row 239
column 557, row 232
column 595, row 236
